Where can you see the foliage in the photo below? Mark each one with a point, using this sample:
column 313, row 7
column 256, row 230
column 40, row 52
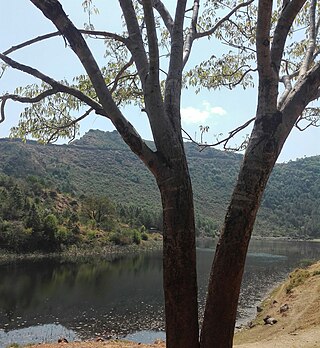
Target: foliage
column 46, row 220
column 290, row 206
column 296, row 278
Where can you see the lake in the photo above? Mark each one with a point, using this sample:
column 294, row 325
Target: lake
column 43, row 300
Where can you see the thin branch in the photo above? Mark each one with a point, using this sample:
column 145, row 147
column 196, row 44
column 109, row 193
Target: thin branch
column 104, row 34
column 54, row 84
column 192, row 32
column 240, row 47
column 308, row 59
column 21, row 99
column 243, row 76
column 225, row 140
column 313, row 120
column 73, row 123
column 35, row 99
column 119, row 75
column 222, row 20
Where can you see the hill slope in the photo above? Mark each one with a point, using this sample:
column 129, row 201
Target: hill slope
column 100, row 163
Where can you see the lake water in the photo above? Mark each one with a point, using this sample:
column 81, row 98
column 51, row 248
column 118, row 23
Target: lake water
column 44, row 300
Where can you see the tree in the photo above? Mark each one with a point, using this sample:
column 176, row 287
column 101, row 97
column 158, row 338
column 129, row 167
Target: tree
column 135, row 75
column 100, row 210
column 275, row 117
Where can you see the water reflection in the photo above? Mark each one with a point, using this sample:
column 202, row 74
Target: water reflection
column 99, row 297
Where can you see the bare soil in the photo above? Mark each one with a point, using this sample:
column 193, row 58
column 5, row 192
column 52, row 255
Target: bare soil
column 297, row 327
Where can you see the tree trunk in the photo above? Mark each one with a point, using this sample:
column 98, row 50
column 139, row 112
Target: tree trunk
column 229, row 261
column 179, row 258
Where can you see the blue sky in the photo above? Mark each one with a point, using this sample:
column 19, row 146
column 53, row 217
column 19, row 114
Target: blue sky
column 221, row 110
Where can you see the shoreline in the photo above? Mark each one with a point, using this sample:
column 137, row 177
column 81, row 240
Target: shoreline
column 113, row 251
column 108, row 252
column 297, row 326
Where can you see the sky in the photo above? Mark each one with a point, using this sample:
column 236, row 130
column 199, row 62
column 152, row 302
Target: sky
column 221, row 110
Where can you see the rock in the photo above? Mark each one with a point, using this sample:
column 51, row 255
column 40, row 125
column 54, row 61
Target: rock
column 63, row 340
column 269, row 320
column 259, row 309
column 284, row 308
column 251, row 325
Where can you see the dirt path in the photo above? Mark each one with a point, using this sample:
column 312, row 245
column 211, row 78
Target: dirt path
column 298, row 323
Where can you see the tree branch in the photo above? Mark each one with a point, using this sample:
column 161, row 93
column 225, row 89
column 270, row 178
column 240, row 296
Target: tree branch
column 55, row 135
column 312, row 37
column 222, row 20
column 119, row 75
column 174, row 78
column 165, row 14
column 57, row 33
column 152, row 42
column 136, row 45
column 263, row 38
column 225, row 140
column 53, row 10
column 21, row 99
column 287, row 16
column 57, row 86
column 288, row 87
column 305, row 90
column 192, row 32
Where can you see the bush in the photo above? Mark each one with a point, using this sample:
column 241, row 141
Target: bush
column 136, row 237
column 119, row 238
column 14, row 236
column 65, row 237
column 298, row 277
column 144, row 236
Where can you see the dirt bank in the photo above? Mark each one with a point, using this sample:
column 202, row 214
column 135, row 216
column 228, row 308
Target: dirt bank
column 297, row 326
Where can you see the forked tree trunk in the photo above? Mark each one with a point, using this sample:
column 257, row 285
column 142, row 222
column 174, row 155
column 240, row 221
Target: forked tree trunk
column 229, row 261
column 179, row 259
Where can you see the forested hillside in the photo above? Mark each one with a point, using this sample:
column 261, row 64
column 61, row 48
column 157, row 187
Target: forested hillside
column 100, row 165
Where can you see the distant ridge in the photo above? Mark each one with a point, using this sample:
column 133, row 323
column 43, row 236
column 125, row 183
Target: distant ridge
column 101, row 163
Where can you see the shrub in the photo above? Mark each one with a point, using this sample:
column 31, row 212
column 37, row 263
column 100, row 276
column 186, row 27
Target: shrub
column 14, row 236
column 298, row 277
column 136, row 237
column 120, row 239
column 144, row 236
column 65, row 237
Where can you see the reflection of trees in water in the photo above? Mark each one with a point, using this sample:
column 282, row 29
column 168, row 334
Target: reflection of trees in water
column 97, row 295
column 53, row 291
column 19, row 286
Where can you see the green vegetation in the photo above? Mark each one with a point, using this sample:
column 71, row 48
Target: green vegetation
column 45, row 220
column 56, row 196
column 297, row 278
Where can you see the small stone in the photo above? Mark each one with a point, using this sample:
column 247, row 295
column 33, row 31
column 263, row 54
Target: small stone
column 63, row 340
column 269, row 320
column 284, row 308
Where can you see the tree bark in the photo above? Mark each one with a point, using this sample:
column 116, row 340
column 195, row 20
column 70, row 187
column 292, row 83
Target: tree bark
column 179, row 258
column 229, row 261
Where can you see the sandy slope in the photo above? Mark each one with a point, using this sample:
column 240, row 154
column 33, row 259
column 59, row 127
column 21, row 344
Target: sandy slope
column 297, row 327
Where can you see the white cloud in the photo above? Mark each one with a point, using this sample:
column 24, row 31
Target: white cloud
column 200, row 115
column 218, row 110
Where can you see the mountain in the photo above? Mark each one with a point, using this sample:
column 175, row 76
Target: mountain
column 100, row 163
